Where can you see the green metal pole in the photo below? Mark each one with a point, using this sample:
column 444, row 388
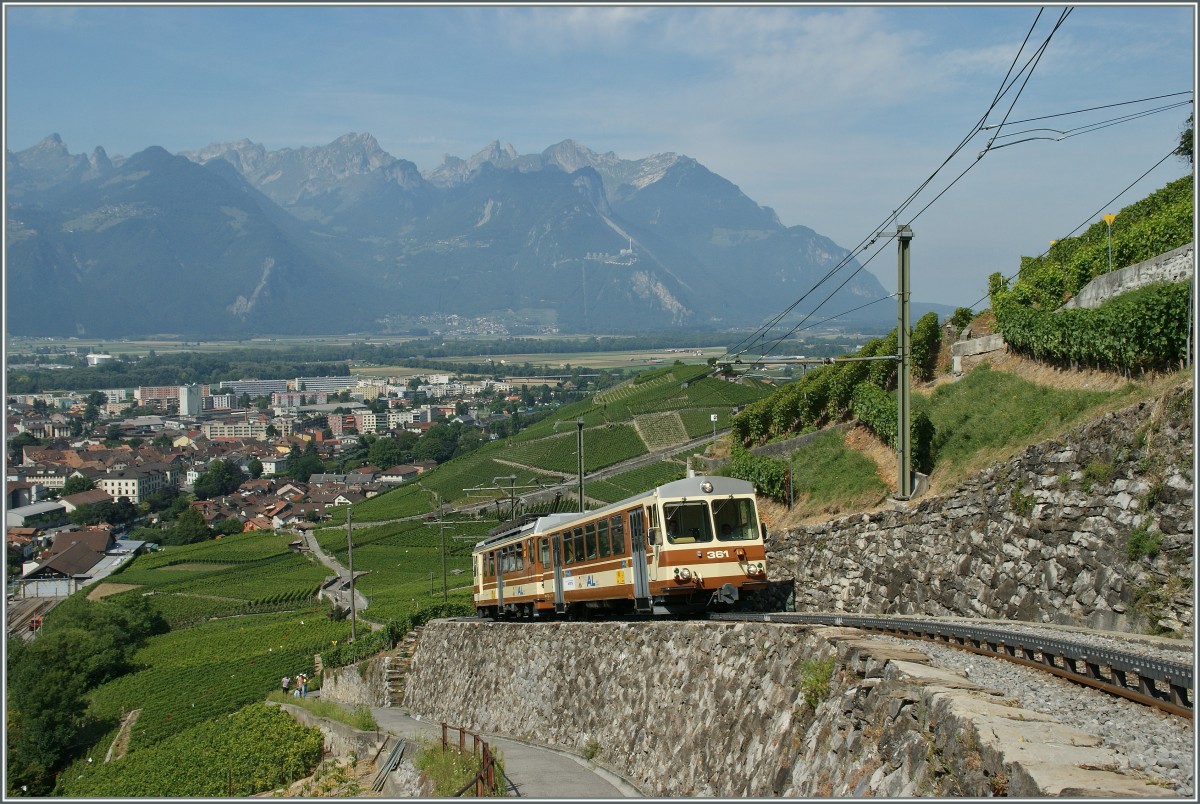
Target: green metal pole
column 904, row 343
column 579, row 446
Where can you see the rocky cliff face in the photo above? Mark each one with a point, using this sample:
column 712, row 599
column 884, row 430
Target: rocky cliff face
column 1092, row 529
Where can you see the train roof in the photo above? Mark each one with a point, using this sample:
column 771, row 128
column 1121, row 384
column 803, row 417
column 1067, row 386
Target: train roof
column 717, row 486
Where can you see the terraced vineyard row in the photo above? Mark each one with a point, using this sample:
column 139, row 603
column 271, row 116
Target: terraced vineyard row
column 251, row 580
column 602, row 446
column 661, row 430
column 636, row 481
column 255, row 750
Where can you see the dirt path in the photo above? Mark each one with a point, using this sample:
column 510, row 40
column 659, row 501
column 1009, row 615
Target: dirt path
column 120, row 743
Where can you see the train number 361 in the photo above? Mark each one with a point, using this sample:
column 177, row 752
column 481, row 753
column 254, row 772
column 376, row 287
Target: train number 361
column 717, row 554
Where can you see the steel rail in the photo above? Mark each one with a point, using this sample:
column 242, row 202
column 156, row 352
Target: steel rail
column 1165, row 685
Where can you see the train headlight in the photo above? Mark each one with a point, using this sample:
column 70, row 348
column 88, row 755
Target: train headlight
column 685, row 575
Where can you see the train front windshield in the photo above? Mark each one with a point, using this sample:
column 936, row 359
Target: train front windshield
column 690, row 522
column 736, row 520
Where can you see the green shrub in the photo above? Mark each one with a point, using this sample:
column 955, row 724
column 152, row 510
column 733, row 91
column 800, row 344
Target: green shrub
column 815, row 675
column 1097, row 472
column 926, row 343
column 1142, row 544
column 769, row 475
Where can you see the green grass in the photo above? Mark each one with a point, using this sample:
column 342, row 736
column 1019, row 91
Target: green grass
column 450, row 770
column 987, row 410
column 826, row 475
column 357, row 717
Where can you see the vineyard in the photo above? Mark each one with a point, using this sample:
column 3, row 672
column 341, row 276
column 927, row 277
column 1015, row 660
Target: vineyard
column 602, row 446
column 660, row 430
column 213, row 669
column 636, row 481
column 256, row 749
column 400, row 558
column 240, row 574
column 1146, row 329
column 410, row 499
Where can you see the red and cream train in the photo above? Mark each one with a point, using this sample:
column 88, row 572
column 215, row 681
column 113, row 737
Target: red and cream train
column 687, row 546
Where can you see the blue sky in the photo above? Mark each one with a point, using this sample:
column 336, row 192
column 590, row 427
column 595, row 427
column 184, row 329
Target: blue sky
column 830, row 115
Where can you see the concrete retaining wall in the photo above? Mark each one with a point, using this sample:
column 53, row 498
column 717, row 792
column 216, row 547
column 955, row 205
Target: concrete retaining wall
column 1177, row 265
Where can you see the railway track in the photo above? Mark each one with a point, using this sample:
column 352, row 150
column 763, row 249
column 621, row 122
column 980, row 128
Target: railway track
column 1158, row 683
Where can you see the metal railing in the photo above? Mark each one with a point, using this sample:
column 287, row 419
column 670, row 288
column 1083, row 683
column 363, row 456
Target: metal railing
column 485, row 777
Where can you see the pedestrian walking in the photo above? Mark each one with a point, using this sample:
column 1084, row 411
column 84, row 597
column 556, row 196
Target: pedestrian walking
column 303, row 685
column 285, row 682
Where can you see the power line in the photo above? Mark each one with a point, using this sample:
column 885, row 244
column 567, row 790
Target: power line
column 866, row 242
column 1085, row 129
column 1094, row 108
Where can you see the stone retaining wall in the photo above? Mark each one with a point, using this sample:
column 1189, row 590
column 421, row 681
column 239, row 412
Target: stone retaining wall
column 720, row 709
column 363, row 683
column 1045, row 537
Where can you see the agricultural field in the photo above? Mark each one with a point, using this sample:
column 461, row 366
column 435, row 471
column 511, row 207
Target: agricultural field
column 403, row 562
column 246, row 571
column 637, row 358
column 635, row 481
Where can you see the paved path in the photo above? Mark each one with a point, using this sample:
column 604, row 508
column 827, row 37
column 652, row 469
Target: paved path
column 532, row 771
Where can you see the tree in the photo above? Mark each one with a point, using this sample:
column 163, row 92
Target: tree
column 255, row 468
column 162, row 442
column 305, row 466
column 1184, row 150
column 385, row 453
column 76, row 484
column 18, row 442
column 189, row 529
column 113, row 432
column 222, row 477
column 228, row 527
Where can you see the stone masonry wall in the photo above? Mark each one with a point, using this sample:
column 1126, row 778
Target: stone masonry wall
column 720, row 709
column 1176, row 265
column 1045, row 537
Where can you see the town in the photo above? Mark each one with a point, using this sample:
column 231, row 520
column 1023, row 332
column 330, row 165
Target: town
column 94, row 478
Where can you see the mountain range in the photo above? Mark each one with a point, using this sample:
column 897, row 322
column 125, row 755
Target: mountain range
column 235, row 240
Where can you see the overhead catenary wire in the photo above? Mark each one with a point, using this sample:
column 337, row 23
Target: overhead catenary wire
column 760, row 334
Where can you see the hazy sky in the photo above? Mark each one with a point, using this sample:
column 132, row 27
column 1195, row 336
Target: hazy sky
column 830, row 115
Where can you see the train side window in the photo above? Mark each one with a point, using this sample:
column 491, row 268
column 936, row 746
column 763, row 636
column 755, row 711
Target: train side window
column 489, row 567
column 602, row 533
column 544, row 544
column 580, row 550
column 589, row 536
column 568, row 548
column 618, row 535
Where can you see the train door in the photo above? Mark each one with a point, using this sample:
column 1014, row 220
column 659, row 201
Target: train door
column 637, row 546
column 500, row 562
column 560, row 601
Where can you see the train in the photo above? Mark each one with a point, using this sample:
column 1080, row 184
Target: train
column 685, row 547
